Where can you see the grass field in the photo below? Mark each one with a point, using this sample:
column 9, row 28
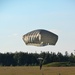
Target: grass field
column 36, row 71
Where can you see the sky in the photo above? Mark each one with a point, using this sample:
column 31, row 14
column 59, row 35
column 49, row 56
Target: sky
column 18, row 17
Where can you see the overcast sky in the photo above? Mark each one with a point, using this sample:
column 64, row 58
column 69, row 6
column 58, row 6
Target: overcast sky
column 17, row 17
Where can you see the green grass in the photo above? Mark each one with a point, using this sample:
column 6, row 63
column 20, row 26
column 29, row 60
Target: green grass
column 60, row 64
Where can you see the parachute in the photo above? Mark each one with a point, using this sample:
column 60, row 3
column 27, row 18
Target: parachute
column 40, row 37
column 41, row 62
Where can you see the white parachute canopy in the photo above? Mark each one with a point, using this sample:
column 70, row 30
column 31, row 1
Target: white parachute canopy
column 40, row 58
column 40, row 37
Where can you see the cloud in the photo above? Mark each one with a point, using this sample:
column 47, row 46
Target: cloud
column 13, row 35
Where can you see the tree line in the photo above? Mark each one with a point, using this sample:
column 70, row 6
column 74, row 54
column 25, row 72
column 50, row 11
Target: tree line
column 31, row 59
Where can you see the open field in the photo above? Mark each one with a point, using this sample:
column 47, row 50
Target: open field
column 35, row 70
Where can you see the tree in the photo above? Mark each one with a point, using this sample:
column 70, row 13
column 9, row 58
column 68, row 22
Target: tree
column 60, row 57
column 72, row 58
